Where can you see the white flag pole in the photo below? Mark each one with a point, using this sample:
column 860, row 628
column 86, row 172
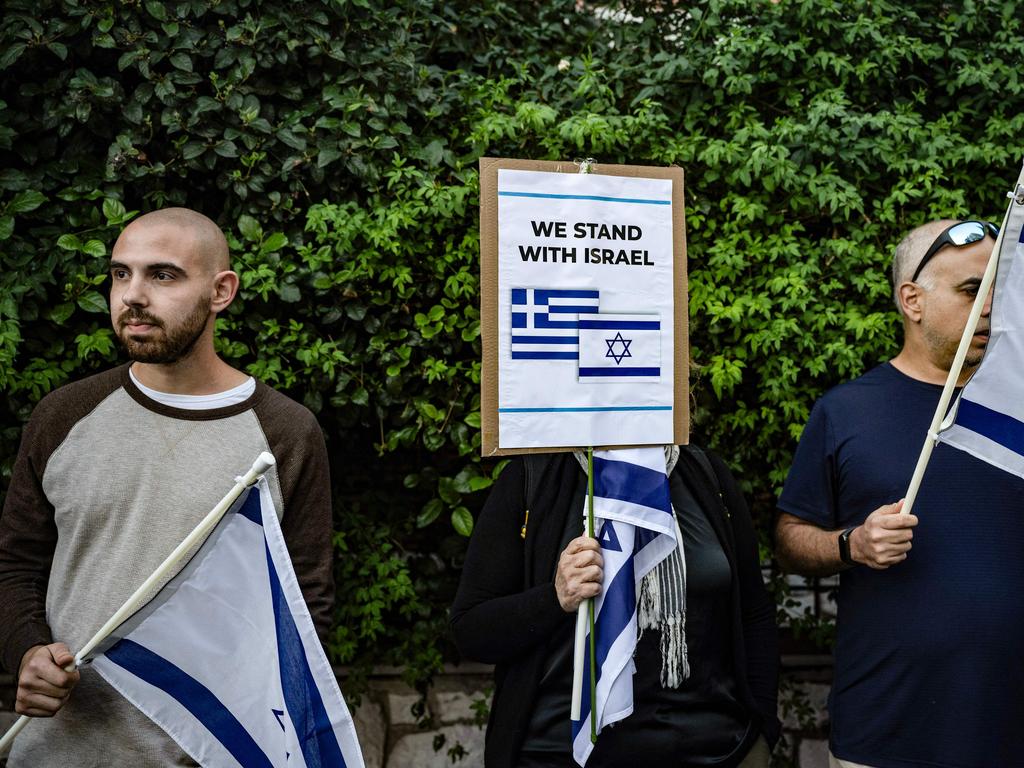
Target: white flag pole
column 579, row 657
column 263, row 463
column 585, row 611
column 958, row 362
column 585, row 617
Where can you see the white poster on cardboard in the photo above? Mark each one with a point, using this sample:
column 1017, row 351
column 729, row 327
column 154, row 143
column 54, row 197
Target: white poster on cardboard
column 585, row 310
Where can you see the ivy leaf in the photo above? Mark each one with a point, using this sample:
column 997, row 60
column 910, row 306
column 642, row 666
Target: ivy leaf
column 249, row 227
column 192, row 150
column 11, row 55
column 182, row 61
column 433, row 152
column 91, row 301
column 26, row 201
column 226, row 148
column 95, row 248
column 113, row 210
column 60, row 313
column 430, row 513
column 275, row 242
column 156, row 10
column 100, row 341
column 462, row 521
column 6, row 227
column 326, row 156
column 69, row 243
column 288, row 137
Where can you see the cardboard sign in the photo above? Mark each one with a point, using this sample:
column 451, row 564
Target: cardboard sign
column 583, row 306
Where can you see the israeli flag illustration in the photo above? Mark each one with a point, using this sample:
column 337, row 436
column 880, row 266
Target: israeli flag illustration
column 225, row 657
column 619, row 347
column 544, row 322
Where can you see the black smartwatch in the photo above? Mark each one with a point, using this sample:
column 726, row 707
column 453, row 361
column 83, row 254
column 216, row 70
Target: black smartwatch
column 844, row 546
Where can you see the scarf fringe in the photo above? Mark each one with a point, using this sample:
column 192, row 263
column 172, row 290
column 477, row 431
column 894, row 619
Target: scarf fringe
column 675, row 660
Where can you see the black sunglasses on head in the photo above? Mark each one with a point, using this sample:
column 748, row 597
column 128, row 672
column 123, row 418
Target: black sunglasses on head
column 964, row 233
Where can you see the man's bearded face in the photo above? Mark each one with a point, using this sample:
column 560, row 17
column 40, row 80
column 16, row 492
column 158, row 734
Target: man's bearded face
column 165, row 340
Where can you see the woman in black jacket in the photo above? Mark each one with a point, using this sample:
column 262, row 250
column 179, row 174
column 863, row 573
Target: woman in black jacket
column 721, row 711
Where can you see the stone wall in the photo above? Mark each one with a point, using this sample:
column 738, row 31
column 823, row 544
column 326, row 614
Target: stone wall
column 391, row 737
column 388, row 724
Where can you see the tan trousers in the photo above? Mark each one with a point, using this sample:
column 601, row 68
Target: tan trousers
column 758, row 755
column 835, row 762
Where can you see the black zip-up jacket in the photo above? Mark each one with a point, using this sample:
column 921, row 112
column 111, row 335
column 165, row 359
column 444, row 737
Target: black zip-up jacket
column 506, row 609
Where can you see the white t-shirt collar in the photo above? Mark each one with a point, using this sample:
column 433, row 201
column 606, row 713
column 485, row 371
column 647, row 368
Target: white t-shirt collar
column 232, row 396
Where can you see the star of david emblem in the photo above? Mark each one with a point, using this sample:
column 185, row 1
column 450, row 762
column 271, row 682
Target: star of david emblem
column 618, row 355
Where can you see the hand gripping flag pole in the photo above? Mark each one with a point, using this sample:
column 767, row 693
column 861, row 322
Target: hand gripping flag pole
column 263, row 463
column 958, row 362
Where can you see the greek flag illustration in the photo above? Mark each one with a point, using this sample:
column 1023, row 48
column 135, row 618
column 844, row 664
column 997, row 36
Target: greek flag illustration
column 635, row 525
column 989, row 420
column 544, row 322
column 225, row 657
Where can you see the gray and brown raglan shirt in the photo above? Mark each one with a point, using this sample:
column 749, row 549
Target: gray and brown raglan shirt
column 106, row 484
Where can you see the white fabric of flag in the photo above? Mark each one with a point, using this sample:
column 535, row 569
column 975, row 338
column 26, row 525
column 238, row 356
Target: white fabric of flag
column 544, row 325
column 225, row 657
column 618, row 347
column 989, row 422
column 635, row 524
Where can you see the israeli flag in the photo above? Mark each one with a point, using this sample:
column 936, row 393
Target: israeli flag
column 989, row 416
column 544, row 324
column 225, row 657
column 637, row 530
column 616, row 347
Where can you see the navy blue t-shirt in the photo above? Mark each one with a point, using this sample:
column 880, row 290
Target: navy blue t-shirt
column 929, row 652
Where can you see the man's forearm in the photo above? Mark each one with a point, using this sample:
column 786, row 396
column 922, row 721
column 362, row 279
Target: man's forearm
column 881, row 541
column 806, row 549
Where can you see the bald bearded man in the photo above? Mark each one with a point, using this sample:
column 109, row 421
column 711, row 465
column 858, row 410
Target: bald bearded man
column 116, row 469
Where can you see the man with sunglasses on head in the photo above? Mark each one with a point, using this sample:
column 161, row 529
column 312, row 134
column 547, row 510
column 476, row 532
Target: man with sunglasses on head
column 928, row 667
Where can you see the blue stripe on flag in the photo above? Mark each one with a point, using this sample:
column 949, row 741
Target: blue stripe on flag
column 251, row 508
column 193, row 696
column 541, row 295
column 620, row 371
column 570, row 309
column 544, row 355
column 589, row 409
column 601, row 198
column 631, row 482
column 644, row 536
column 620, row 325
column 518, row 295
column 617, row 609
column 996, row 426
column 545, row 340
column 320, row 747
column 519, row 320
column 542, row 321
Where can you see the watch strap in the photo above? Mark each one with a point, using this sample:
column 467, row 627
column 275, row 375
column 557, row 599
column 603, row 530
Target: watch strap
column 844, row 546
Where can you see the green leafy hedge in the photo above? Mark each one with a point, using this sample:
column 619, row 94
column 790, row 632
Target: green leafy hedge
column 337, row 144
